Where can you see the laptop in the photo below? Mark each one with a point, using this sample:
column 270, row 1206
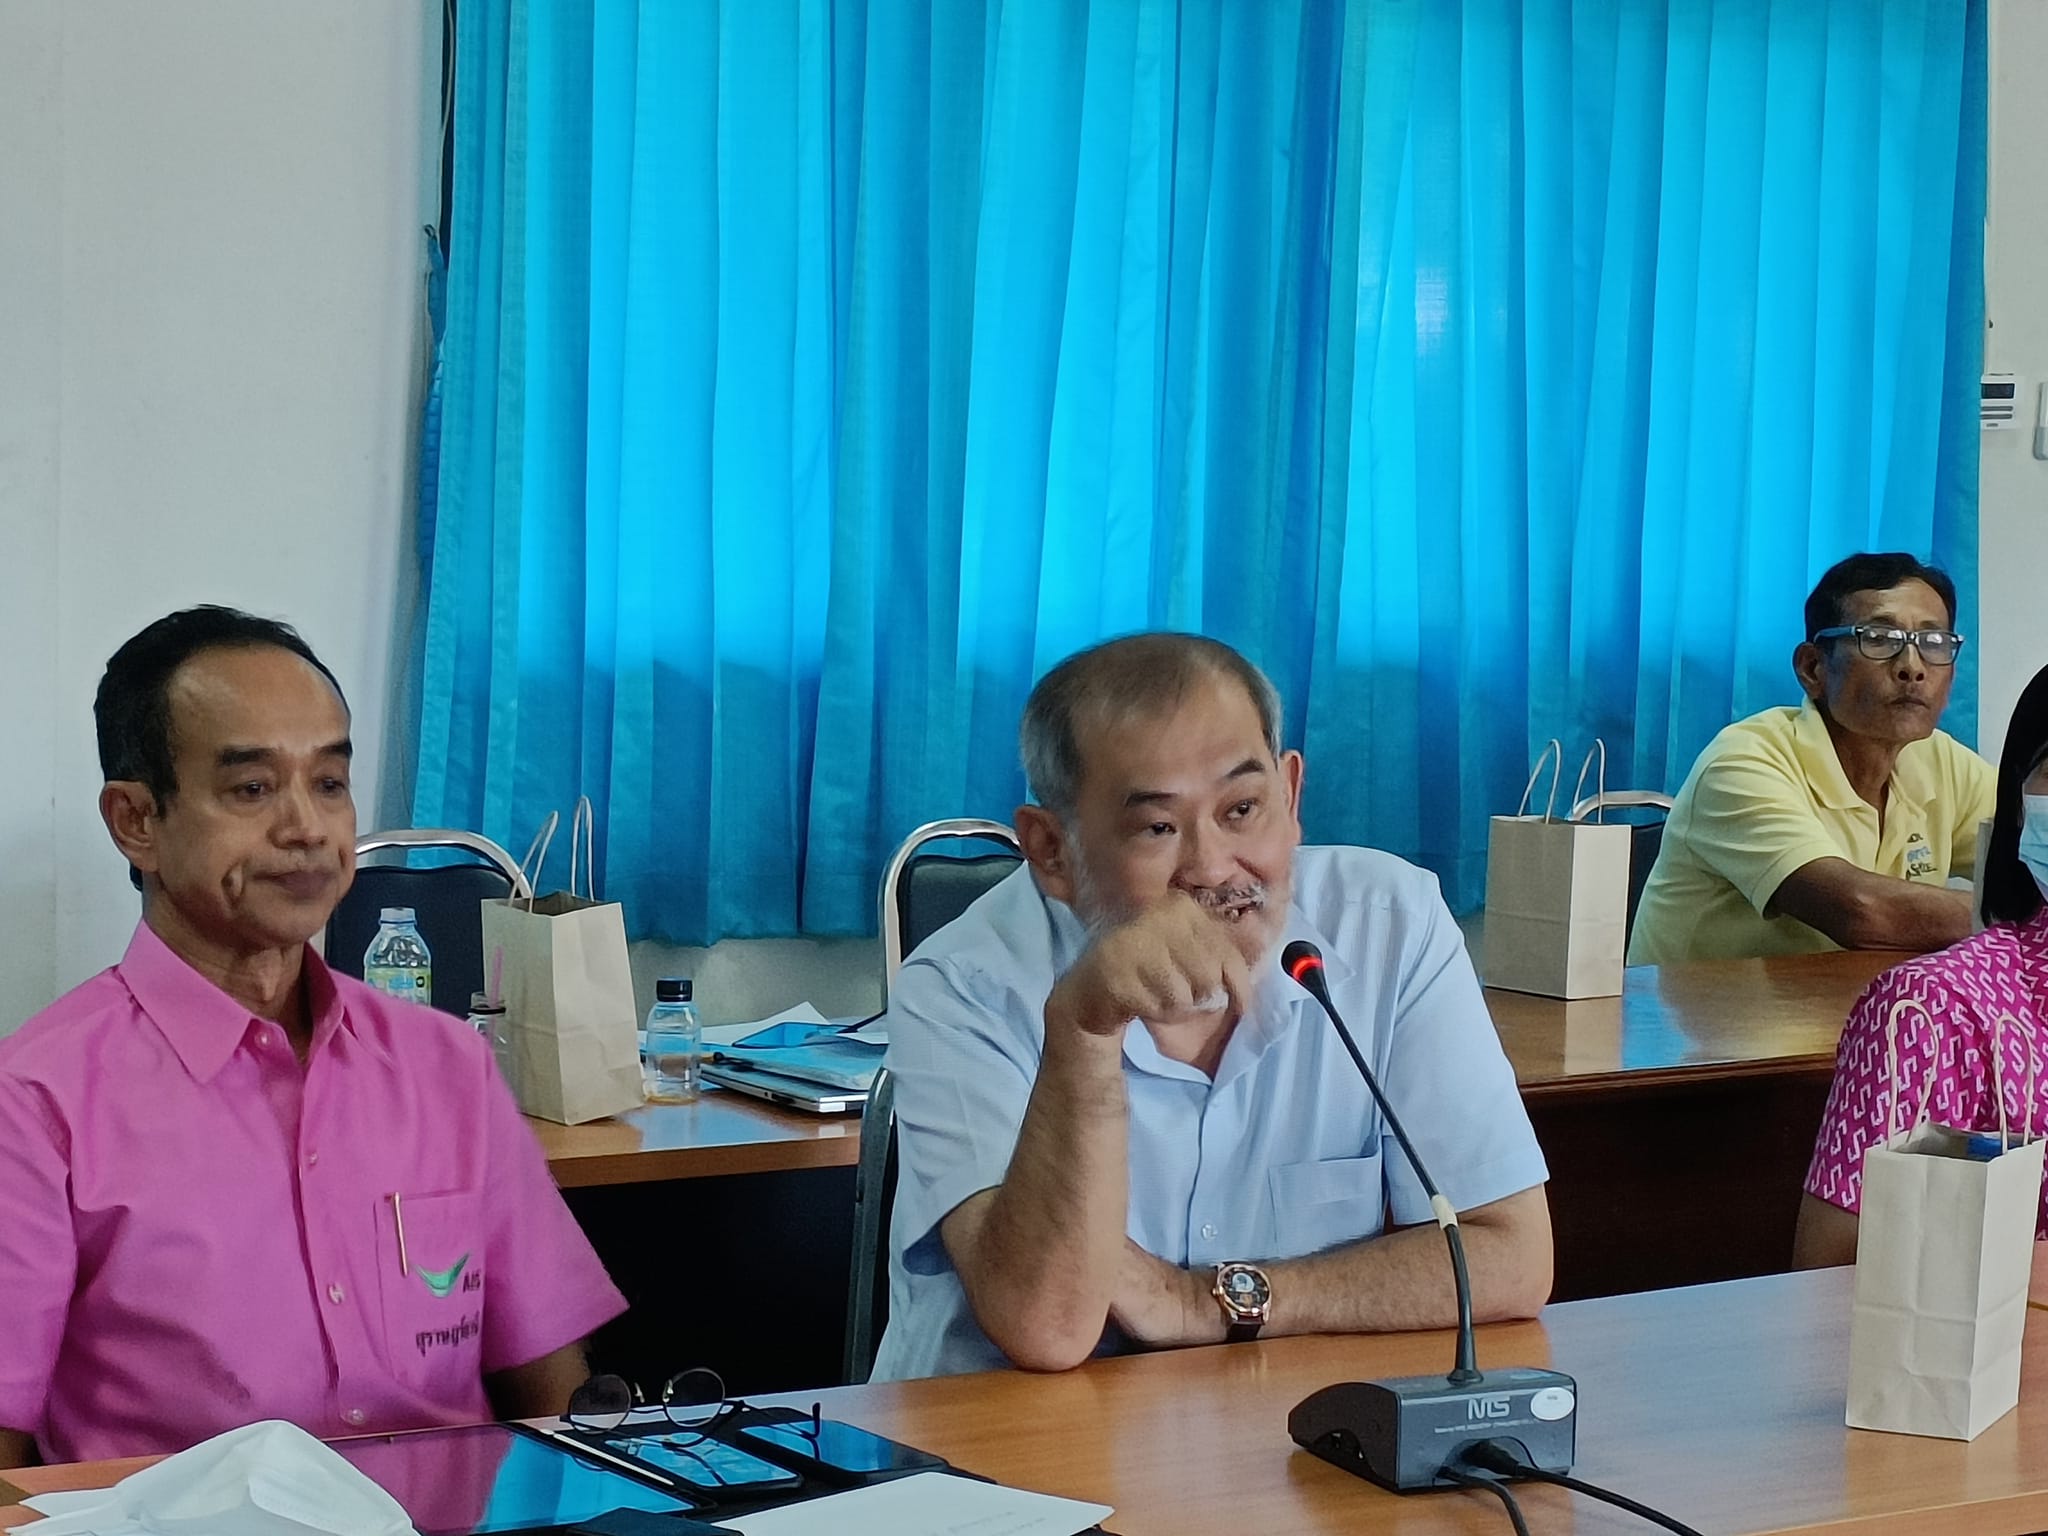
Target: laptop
column 802, row 1093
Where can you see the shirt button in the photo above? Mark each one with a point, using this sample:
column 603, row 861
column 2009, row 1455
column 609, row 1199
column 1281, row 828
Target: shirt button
column 312, row 1159
column 1209, row 1230
column 354, row 1415
column 263, row 1037
column 336, row 1294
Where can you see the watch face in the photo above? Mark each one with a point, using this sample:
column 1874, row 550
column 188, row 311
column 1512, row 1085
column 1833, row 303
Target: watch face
column 1244, row 1289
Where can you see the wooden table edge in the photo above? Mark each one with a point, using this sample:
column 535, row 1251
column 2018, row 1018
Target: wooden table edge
column 1617, row 1081
column 653, row 1165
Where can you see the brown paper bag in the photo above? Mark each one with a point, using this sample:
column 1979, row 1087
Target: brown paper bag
column 572, row 1045
column 1943, row 1252
column 1557, row 895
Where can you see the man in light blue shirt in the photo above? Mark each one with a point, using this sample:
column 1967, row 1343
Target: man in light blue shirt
column 1122, row 1125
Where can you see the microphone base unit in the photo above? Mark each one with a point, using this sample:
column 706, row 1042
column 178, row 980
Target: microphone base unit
column 1401, row 1433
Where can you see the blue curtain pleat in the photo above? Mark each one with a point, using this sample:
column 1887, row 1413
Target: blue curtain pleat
column 817, row 374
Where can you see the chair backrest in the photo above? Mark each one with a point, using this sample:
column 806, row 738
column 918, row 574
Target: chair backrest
column 922, row 892
column 1644, row 811
column 447, row 897
column 874, row 1197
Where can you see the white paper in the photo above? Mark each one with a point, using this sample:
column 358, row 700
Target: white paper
column 927, row 1504
column 267, row 1479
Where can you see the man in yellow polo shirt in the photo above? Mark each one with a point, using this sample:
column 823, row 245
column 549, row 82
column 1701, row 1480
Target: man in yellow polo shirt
column 1835, row 825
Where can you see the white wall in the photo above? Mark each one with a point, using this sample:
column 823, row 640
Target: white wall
column 2013, row 516
column 210, row 341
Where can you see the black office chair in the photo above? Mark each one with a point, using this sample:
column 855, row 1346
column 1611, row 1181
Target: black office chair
column 874, row 1197
column 1644, row 811
column 448, row 899
column 922, row 892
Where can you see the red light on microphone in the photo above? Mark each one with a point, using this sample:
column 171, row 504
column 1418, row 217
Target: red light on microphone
column 1303, row 965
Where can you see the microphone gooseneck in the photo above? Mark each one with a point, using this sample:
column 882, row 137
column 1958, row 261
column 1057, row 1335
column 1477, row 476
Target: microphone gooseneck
column 1304, row 962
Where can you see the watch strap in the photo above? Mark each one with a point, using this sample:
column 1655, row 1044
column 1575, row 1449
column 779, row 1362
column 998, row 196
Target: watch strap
column 1241, row 1333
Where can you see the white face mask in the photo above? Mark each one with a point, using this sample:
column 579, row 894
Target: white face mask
column 2034, row 838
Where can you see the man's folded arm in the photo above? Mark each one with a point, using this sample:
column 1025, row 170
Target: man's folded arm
column 1393, row 1282
column 1403, row 1280
column 1040, row 1255
column 1753, row 825
column 1859, row 909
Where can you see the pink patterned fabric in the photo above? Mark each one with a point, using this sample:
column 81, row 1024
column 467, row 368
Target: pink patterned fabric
column 1988, row 992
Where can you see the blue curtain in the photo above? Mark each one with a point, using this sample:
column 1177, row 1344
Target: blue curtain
column 817, row 374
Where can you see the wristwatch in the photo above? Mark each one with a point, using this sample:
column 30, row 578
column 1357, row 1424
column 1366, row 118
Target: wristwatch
column 1246, row 1296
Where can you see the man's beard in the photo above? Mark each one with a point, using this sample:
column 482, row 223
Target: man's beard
column 1249, row 911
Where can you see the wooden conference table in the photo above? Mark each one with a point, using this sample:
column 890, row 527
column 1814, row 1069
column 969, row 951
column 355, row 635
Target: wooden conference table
column 1678, row 1119
column 1721, row 1405
column 722, row 1133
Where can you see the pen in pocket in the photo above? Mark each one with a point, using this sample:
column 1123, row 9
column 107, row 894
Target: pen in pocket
column 398, row 1221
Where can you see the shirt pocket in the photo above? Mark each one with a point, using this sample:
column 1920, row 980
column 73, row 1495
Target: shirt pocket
column 430, row 1268
column 1322, row 1204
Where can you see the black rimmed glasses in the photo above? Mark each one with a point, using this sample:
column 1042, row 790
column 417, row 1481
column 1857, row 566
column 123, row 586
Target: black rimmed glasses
column 1881, row 642
column 692, row 1401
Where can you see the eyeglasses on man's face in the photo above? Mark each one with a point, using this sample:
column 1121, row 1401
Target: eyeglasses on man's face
column 1881, row 642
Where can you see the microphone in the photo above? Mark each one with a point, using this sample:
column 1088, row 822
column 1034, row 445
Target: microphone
column 1403, row 1433
column 1304, row 962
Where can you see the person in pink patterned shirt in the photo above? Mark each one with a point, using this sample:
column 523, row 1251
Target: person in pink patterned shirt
column 233, row 1184
column 1957, row 1012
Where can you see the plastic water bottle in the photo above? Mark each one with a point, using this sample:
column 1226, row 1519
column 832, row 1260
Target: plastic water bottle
column 489, row 1020
column 486, row 1017
column 675, row 1041
column 398, row 961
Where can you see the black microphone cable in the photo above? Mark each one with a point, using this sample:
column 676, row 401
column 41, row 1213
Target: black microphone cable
column 1496, row 1458
column 1492, row 1485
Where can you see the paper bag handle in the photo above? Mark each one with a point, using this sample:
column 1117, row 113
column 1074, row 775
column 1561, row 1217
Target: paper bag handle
column 1599, row 749
column 1998, row 1086
column 537, row 856
column 2033, row 1088
column 583, row 836
column 1893, row 1130
column 1553, row 755
column 1998, row 1081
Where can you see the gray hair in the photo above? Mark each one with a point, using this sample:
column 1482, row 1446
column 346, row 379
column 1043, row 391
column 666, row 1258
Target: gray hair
column 1136, row 676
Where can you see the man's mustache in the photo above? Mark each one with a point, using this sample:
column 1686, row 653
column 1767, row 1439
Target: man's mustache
column 1253, row 895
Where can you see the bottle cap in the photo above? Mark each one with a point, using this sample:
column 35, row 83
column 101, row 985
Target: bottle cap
column 395, row 915
column 672, row 989
column 480, row 1002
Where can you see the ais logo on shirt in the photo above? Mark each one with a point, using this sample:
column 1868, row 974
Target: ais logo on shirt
column 444, row 1282
column 1920, row 862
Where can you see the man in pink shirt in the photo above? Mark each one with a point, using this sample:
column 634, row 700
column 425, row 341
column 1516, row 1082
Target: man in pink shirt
column 234, row 1185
